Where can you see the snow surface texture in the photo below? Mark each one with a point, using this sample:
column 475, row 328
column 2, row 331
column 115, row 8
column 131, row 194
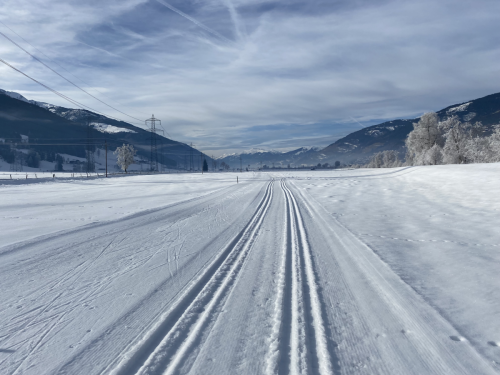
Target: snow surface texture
column 388, row 271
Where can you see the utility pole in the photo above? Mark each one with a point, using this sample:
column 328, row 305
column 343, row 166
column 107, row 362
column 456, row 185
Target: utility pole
column 106, row 146
column 90, row 147
column 191, row 164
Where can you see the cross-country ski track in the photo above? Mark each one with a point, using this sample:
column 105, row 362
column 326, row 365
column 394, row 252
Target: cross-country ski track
column 250, row 278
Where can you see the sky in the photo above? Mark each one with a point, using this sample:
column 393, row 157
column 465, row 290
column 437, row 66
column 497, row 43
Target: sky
column 232, row 75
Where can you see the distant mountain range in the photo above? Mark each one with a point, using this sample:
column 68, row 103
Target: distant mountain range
column 260, row 158
column 359, row 146
column 63, row 129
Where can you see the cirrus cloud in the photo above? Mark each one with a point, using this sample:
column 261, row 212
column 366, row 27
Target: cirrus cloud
column 238, row 74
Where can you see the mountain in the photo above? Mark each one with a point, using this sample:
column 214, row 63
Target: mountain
column 359, row 146
column 65, row 131
column 258, row 158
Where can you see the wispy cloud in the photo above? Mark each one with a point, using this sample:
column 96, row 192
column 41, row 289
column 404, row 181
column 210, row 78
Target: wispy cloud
column 196, row 22
column 239, row 26
column 241, row 74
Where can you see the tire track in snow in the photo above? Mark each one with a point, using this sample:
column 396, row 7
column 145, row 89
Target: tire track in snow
column 299, row 344
column 167, row 346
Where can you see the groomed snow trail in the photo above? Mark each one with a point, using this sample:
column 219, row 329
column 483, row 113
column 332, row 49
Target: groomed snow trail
column 184, row 324
column 254, row 278
column 301, row 337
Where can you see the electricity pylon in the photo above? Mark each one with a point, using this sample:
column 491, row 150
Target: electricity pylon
column 152, row 125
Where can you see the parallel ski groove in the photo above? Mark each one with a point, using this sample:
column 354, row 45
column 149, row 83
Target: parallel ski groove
column 169, row 345
column 301, row 317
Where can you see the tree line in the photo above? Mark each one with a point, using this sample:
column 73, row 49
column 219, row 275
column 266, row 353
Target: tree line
column 434, row 142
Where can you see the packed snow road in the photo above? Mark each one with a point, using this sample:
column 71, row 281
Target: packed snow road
column 250, row 278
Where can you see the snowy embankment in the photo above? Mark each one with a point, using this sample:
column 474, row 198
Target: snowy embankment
column 388, row 271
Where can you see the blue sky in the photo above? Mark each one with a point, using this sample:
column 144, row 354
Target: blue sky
column 229, row 75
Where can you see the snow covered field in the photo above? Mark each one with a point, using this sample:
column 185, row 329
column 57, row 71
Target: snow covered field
column 372, row 271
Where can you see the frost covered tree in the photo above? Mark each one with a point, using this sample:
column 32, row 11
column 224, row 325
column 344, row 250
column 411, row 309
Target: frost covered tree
column 425, row 135
column 457, row 138
column 390, row 159
column 448, row 142
column 376, row 161
column 125, row 156
column 434, row 155
column 480, row 149
column 384, row 159
column 494, row 145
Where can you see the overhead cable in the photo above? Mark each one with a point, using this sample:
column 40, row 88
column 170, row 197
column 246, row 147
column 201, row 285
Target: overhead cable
column 55, row 62
column 60, row 75
column 74, row 102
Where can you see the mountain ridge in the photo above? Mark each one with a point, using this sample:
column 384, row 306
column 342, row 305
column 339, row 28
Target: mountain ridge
column 41, row 121
column 357, row 147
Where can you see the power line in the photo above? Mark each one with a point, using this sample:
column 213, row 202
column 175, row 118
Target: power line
column 60, row 75
column 55, row 62
column 20, row 144
column 74, row 102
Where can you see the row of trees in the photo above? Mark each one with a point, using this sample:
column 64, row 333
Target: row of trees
column 32, row 159
column 125, row 157
column 447, row 142
column 385, row 159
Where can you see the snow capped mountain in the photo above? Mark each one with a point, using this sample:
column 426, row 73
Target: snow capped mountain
column 356, row 147
column 303, row 150
column 252, row 151
column 18, row 96
column 110, row 129
column 256, row 158
column 44, row 121
column 263, row 152
column 104, row 124
column 359, row 146
column 459, row 108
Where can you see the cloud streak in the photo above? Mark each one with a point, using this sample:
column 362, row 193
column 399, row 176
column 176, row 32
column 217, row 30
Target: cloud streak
column 297, row 72
column 196, row 22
